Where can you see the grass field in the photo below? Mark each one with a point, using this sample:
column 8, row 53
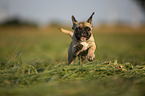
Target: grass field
column 33, row 62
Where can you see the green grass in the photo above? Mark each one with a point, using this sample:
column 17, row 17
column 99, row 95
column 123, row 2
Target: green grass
column 34, row 62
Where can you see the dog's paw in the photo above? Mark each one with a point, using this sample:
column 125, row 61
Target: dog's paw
column 79, row 47
column 91, row 58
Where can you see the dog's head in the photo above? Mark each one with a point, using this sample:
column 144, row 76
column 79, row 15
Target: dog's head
column 82, row 30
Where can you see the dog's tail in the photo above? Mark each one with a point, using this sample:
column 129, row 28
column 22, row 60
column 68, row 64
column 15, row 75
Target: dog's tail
column 66, row 32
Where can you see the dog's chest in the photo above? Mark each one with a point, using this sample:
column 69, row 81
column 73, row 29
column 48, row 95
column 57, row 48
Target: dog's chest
column 85, row 45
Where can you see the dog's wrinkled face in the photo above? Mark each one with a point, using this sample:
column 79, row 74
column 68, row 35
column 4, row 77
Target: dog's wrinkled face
column 82, row 30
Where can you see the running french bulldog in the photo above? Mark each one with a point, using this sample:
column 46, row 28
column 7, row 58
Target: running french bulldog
column 83, row 44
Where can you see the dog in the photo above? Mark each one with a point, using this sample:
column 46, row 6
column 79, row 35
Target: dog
column 83, row 45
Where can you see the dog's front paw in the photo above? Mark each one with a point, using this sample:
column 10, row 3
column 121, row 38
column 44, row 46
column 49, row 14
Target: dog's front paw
column 91, row 58
column 79, row 47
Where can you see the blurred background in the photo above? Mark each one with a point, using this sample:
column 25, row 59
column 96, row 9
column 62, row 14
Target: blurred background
column 31, row 27
column 44, row 12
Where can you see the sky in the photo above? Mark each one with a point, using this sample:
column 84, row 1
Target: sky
column 46, row 11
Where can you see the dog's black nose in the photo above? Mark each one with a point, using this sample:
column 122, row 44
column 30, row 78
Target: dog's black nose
column 83, row 33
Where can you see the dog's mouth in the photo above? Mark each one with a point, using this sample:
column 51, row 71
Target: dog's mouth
column 83, row 39
column 82, row 34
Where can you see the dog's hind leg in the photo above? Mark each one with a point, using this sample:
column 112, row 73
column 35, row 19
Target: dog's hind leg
column 79, row 57
column 71, row 56
column 71, row 59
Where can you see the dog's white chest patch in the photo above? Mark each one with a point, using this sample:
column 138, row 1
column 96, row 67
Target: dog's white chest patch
column 85, row 45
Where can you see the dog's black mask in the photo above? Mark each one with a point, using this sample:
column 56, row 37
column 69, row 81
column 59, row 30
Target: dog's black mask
column 82, row 32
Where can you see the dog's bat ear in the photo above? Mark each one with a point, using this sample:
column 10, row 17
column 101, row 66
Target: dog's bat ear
column 90, row 18
column 74, row 21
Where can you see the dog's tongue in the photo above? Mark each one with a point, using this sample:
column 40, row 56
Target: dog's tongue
column 83, row 39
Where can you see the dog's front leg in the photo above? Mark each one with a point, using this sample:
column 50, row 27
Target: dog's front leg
column 77, row 49
column 91, row 51
column 74, row 52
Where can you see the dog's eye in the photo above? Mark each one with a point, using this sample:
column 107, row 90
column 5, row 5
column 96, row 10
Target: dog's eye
column 87, row 29
column 77, row 29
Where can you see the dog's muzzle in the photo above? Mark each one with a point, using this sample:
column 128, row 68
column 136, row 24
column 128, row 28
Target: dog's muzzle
column 82, row 34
